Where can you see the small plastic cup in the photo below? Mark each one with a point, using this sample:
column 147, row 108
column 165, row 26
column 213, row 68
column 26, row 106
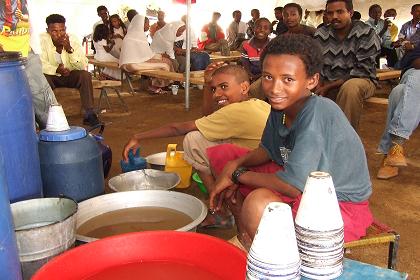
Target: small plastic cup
column 57, row 120
column 174, row 89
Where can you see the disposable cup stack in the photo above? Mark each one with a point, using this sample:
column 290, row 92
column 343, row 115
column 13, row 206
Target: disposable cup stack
column 320, row 229
column 274, row 253
column 57, row 120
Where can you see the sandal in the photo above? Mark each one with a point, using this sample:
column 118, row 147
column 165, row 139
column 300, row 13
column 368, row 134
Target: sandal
column 217, row 221
column 157, row 91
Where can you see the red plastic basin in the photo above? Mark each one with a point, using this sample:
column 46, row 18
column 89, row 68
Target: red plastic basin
column 153, row 255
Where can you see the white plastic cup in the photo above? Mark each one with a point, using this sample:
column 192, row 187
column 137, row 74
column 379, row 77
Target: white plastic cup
column 57, row 120
column 275, row 240
column 174, row 89
column 319, row 209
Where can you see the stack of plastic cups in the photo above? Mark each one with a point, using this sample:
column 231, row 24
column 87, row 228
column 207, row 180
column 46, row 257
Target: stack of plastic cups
column 57, row 120
column 274, row 253
column 320, row 229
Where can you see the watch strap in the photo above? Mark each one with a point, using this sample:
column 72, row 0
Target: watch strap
column 238, row 172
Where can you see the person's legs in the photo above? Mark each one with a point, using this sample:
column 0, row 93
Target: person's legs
column 181, row 63
column 199, row 61
column 82, row 80
column 42, row 94
column 251, row 210
column 391, row 56
column 195, row 146
column 402, row 118
column 350, row 98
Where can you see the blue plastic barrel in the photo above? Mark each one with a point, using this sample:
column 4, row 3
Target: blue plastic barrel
column 18, row 140
column 9, row 260
column 71, row 164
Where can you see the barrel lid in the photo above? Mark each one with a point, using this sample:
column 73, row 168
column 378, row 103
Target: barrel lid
column 73, row 133
column 10, row 56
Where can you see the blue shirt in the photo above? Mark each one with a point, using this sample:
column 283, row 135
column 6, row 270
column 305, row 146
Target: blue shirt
column 320, row 139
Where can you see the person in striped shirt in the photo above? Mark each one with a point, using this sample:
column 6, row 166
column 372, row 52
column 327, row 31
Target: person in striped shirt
column 349, row 50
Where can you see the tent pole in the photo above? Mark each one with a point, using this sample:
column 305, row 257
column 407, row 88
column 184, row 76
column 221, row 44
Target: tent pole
column 187, row 58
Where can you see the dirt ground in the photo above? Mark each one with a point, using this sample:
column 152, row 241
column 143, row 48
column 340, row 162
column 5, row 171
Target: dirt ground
column 395, row 202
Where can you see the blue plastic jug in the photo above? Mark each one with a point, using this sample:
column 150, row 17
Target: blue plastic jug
column 18, row 140
column 71, row 164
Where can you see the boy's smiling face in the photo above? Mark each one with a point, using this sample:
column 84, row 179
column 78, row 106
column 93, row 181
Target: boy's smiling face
column 227, row 90
column 285, row 82
column 262, row 29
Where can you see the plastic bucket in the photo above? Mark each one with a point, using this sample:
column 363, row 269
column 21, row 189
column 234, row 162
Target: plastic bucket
column 44, row 227
column 18, row 140
column 150, row 255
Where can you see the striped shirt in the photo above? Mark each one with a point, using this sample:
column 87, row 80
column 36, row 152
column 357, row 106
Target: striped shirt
column 354, row 57
column 251, row 55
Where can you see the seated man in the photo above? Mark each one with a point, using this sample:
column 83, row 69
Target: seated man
column 279, row 22
column 349, row 50
column 199, row 59
column 382, row 28
column 410, row 31
column 236, row 31
column 255, row 14
column 157, row 25
column 212, row 36
column 228, row 85
column 403, row 115
column 63, row 64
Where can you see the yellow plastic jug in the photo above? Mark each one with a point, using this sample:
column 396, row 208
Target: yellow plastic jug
column 175, row 163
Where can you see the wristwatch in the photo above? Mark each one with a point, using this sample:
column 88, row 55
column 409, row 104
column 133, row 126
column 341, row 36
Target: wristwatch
column 238, row 172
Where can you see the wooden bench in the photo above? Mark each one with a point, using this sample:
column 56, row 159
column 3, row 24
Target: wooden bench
column 385, row 74
column 196, row 77
column 377, row 100
column 104, row 86
column 217, row 56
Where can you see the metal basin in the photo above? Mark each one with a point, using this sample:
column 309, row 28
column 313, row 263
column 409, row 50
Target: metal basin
column 157, row 161
column 187, row 204
column 146, row 179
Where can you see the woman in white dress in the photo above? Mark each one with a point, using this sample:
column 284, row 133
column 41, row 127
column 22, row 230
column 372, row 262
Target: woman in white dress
column 136, row 54
column 103, row 45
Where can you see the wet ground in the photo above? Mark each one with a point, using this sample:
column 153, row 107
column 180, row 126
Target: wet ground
column 395, row 202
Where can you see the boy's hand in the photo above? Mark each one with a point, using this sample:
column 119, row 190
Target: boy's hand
column 132, row 144
column 224, row 187
column 208, row 73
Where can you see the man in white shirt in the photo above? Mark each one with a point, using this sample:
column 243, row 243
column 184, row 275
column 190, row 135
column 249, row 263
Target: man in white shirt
column 236, row 31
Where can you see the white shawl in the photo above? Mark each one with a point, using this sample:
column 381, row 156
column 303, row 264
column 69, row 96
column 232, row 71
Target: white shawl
column 135, row 48
column 164, row 38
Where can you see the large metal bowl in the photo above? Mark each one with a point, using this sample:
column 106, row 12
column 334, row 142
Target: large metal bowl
column 146, row 179
column 184, row 203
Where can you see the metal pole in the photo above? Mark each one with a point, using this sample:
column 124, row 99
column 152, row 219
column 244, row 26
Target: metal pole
column 187, row 58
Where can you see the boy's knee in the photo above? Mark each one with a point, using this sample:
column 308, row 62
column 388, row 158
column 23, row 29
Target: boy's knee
column 191, row 138
column 253, row 208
